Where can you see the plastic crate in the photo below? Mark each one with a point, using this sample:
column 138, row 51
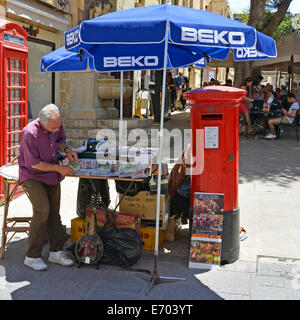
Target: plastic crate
column 77, row 228
column 148, row 238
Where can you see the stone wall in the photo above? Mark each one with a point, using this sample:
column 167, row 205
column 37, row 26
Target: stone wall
column 65, row 94
column 2, row 9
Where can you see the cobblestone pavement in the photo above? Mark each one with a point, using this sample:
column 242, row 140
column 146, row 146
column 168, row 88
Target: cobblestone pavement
column 269, row 262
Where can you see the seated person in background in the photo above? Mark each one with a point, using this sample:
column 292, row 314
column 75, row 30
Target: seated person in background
column 283, row 90
column 228, row 83
column 288, row 116
column 270, row 87
column 212, row 82
column 296, row 91
column 268, row 96
column 278, row 95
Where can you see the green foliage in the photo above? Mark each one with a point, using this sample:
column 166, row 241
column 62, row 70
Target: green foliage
column 291, row 23
column 283, row 29
column 242, row 17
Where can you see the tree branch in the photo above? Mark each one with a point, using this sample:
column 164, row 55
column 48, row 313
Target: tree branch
column 256, row 15
column 277, row 18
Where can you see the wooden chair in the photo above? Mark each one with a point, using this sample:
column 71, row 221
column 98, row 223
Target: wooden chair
column 11, row 224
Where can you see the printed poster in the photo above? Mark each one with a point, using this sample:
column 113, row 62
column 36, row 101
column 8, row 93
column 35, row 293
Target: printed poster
column 205, row 253
column 207, row 227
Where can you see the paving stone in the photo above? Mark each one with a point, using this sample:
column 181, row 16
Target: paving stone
column 271, row 281
column 293, row 289
column 229, row 296
column 268, row 288
column 5, row 294
column 227, row 281
column 267, row 293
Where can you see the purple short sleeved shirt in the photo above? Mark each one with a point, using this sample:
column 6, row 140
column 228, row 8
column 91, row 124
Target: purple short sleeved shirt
column 39, row 145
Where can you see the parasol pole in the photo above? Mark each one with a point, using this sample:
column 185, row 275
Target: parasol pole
column 121, row 95
column 121, row 127
column 155, row 278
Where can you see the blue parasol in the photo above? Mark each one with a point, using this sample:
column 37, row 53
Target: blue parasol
column 64, row 60
column 134, row 39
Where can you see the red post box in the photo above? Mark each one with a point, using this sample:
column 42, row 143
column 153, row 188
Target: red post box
column 13, row 89
column 215, row 112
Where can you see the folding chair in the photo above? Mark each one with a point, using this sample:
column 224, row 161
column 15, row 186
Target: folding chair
column 295, row 124
column 9, row 172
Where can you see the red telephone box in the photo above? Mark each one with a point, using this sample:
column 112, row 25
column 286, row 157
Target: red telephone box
column 13, row 90
column 214, row 110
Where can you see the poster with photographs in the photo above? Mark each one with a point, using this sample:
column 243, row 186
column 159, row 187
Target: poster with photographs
column 207, row 227
column 208, row 202
column 207, row 215
column 205, row 253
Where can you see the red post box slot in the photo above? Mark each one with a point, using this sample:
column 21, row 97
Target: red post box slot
column 212, row 117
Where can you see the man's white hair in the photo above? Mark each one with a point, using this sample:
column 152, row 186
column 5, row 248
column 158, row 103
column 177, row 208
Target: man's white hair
column 50, row 111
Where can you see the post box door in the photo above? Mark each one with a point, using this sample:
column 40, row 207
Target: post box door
column 15, row 101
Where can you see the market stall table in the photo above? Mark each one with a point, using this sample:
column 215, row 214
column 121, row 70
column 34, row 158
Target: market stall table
column 10, row 174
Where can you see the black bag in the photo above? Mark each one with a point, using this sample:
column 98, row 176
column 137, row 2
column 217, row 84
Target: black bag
column 164, row 188
column 136, row 187
column 275, row 108
column 121, row 247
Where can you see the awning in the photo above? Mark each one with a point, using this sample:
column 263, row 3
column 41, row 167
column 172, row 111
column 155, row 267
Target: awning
column 288, row 54
column 38, row 13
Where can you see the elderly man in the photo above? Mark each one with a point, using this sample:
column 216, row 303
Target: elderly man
column 41, row 175
column 288, row 116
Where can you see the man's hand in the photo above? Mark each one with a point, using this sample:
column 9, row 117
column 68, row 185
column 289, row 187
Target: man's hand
column 284, row 111
column 72, row 155
column 66, row 171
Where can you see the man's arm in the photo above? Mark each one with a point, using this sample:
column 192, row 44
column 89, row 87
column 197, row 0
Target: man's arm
column 291, row 115
column 48, row 167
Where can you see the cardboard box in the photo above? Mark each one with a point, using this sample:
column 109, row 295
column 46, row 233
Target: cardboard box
column 174, row 225
column 77, row 228
column 148, row 238
column 145, row 204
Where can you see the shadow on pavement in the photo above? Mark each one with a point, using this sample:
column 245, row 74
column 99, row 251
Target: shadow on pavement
column 19, row 282
column 267, row 161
